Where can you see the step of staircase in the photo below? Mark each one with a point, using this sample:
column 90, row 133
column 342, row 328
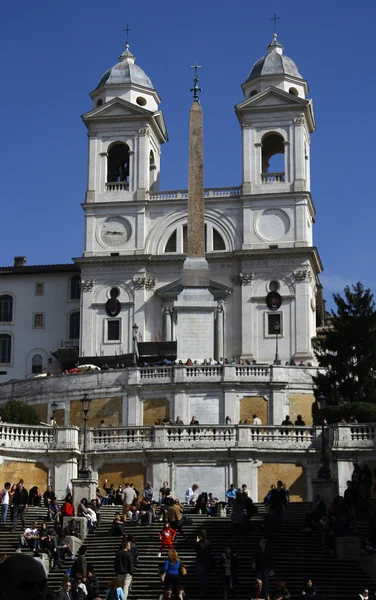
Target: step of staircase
column 297, row 555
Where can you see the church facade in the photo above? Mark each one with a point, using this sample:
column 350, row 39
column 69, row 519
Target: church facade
column 258, row 239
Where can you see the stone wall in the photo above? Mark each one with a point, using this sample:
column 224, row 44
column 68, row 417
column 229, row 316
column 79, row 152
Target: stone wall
column 293, row 475
column 301, row 404
column 129, row 472
column 250, row 405
column 109, row 409
column 42, row 412
column 157, row 408
column 32, row 474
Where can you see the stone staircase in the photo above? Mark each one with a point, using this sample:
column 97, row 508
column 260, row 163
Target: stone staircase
column 297, row 555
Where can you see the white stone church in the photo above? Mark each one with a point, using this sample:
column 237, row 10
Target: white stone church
column 115, row 305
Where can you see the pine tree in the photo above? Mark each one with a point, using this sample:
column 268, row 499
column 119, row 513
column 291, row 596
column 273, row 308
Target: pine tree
column 348, row 350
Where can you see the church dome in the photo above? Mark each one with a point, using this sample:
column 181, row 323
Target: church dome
column 274, row 63
column 125, row 71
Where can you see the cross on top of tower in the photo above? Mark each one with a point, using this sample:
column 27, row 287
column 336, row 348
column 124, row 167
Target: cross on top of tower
column 196, row 89
column 275, row 19
column 127, row 30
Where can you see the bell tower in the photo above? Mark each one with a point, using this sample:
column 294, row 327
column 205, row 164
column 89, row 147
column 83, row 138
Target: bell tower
column 125, row 130
column 276, row 120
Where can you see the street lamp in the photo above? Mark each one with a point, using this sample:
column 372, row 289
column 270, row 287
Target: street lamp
column 135, row 333
column 277, row 329
column 324, row 470
column 54, row 407
column 84, row 472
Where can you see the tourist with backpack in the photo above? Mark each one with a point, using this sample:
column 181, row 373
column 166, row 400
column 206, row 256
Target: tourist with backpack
column 114, row 591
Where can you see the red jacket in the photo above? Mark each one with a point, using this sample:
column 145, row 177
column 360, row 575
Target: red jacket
column 67, row 510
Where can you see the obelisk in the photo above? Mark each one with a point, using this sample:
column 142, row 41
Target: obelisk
column 195, row 307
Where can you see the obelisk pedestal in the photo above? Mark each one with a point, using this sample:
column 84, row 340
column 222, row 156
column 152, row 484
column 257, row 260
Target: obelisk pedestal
column 195, row 307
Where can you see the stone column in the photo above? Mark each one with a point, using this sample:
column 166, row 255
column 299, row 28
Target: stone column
column 219, row 332
column 167, row 324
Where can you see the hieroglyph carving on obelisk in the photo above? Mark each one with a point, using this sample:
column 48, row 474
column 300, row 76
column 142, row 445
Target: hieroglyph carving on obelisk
column 196, row 205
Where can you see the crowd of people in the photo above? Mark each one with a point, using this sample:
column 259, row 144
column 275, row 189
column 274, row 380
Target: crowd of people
column 53, row 537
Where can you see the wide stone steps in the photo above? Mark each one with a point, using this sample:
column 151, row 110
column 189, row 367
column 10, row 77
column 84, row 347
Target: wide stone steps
column 297, row 555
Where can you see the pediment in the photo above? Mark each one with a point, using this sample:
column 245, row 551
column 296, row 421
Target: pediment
column 172, row 290
column 270, row 97
column 116, row 108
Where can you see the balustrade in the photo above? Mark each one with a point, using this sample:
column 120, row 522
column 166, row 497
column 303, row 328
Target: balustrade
column 224, row 192
column 117, row 186
column 272, row 177
column 281, row 436
column 251, row 371
column 156, row 373
column 27, row 436
column 121, row 438
column 204, row 370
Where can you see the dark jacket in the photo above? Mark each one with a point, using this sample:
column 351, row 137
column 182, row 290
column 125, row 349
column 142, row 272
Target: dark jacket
column 63, row 595
column 123, row 563
column 21, row 497
column 263, row 559
column 278, row 499
column 92, row 585
column 203, row 551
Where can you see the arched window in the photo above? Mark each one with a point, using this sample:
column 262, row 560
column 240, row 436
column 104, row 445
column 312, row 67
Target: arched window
column 253, row 93
column 273, row 160
column 177, row 242
column 37, row 364
column 74, row 325
column 171, row 243
column 6, row 308
column 5, row 348
column 75, row 287
column 218, row 241
column 152, row 171
column 118, row 163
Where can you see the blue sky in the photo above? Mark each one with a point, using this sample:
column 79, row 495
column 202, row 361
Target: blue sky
column 53, row 55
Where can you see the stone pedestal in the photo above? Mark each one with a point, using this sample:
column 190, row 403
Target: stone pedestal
column 195, row 309
column 44, row 559
column 83, row 488
column 326, row 488
column 348, row 548
column 82, row 526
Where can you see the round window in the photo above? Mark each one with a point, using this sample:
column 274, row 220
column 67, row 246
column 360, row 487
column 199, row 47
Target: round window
column 141, row 101
column 99, row 102
column 294, row 91
column 274, row 286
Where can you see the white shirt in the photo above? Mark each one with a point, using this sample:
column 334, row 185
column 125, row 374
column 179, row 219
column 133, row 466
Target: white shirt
column 257, row 421
column 188, row 494
column 5, row 497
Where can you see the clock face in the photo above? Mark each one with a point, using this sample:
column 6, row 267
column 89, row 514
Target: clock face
column 115, row 232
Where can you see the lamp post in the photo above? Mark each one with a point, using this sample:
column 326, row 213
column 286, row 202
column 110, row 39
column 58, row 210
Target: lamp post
column 324, row 470
column 277, row 329
column 54, row 407
column 135, row 333
column 84, row 472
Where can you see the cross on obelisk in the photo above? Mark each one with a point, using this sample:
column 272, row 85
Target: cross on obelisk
column 196, row 89
column 275, row 19
column 127, row 30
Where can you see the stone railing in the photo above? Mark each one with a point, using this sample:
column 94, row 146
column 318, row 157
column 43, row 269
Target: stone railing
column 275, row 437
column 354, row 436
column 273, row 177
column 201, row 436
column 202, row 373
column 117, row 186
column 224, row 192
column 118, row 438
column 27, row 436
column 153, row 374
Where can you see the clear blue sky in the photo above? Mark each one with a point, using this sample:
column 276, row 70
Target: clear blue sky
column 53, row 55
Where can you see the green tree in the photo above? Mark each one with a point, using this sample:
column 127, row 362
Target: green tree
column 348, row 350
column 17, row 411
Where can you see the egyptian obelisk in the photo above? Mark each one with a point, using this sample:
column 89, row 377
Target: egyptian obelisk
column 195, row 307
